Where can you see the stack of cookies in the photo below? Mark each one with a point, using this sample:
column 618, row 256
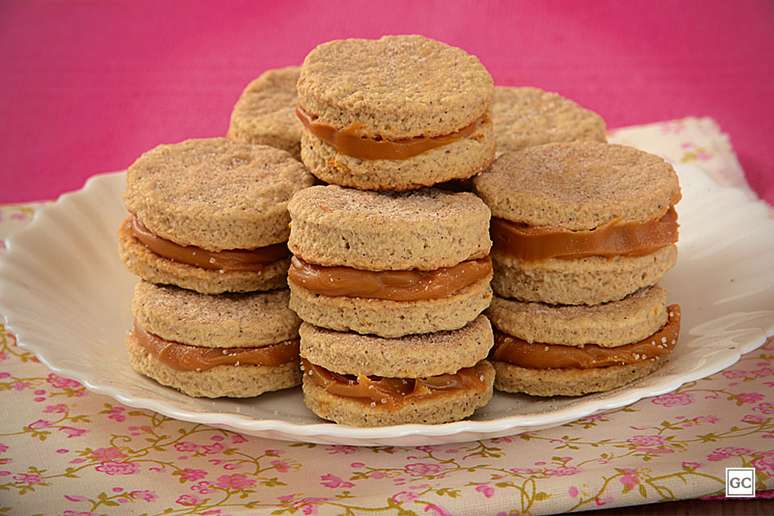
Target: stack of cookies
column 582, row 232
column 206, row 233
column 391, row 277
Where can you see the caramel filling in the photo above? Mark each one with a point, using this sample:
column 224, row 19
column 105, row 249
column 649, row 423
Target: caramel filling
column 612, row 239
column 233, row 260
column 390, row 285
column 352, row 142
column 392, row 392
column 196, row 358
column 549, row 356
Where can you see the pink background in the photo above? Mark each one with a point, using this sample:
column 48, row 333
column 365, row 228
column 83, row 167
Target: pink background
column 87, row 86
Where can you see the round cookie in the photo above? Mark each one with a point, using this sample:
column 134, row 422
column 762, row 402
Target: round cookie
column 584, row 194
column 584, row 281
column 215, row 193
column 218, row 382
column 378, row 316
column 608, row 325
column 213, row 198
column 570, row 382
column 578, row 186
column 423, row 230
column 452, row 406
column 264, row 113
column 394, row 90
column 214, row 346
column 396, row 86
column 225, row 321
column 423, row 254
column 414, row 356
column 525, row 117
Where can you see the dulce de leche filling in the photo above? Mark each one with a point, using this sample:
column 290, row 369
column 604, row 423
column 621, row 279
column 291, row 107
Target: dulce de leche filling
column 392, row 392
column 232, row 260
column 390, row 285
column 612, row 239
column 352, row 142
column 550, row 356
column 196, row 358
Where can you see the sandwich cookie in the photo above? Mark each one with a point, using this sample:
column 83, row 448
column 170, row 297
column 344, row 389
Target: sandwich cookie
column 525, row 117
column 580, row 223
column 265, row 113
column 231, row 345
column 371, row 381
column 549, row 350
column 210, row 215
column 388, row 264
column 397, row 113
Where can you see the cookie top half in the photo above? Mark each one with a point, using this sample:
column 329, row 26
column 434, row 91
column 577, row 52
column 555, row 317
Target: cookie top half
column 394, row 87
column 524, row 117
column 424, row 230
column 264, row 113
column 215, row 193
column 578, row 186
column 612, row 324
column 222, row 321
column 411, row 356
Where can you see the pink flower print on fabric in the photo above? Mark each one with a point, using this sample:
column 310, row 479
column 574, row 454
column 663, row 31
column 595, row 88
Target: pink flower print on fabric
column 749, row 397
column 754, row 419
column 186, row 446
column 62, row 383
column 404, row 496
column 422, row 469
column 280, row 466
column 118, row 468
column 107, row 454
column 629, row 479
column 191, row 475
column 188, row 500
column 148, row 496
column 646, row 440
column 39, row 424
column 764, row 408
column 725, row 453
column 117, row 414
column 71, row 431
column 333, row 482
column 563, row 471
column 765, row 463
column 235, row 481
column 486, row 490
column 27, row 478
column 673, row 399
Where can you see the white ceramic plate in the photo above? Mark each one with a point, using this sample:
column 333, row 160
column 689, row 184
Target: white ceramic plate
column 65, row 294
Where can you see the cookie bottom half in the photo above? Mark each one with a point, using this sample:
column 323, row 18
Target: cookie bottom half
column 391, row 319
column 444, row 408
column 461, row 159
column 583, row 281
column 222, row 381
column 151, row 267
column 570, row 382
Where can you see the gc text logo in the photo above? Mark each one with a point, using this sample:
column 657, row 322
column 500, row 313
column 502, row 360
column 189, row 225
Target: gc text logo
column 740, row 482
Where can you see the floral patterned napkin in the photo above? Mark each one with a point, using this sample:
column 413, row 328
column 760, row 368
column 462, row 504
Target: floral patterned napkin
column 64, row 450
